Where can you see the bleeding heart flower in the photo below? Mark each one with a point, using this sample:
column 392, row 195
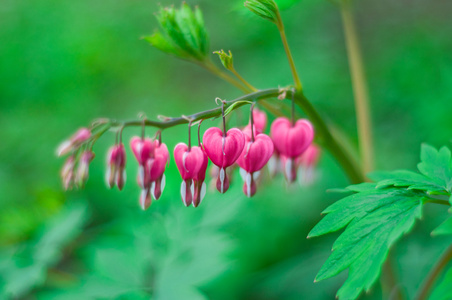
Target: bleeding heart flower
column 254, row 157
column 289, row 168
column 156, row 168
column 223, row 151
column 189, row 163
column 145, row 199
column 75, row 141
column 143, row 149
column 83, row 167
column 307, row 162
column 116, row 162
column 67, row 173
column 198, row 181
column 291, row 140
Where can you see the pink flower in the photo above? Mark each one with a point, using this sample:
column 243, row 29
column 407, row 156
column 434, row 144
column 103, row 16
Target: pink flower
column 143, row 149
column 189, row 162
column 155, row 167
column 83, row 167
column 223, row 151
column 67, row 173
column 74, row 142
column 116, row 162
column 198, row 181
column 307, row 162
column 254, row 157
column 291, row 140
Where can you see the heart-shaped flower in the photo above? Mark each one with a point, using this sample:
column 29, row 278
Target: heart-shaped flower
column 143, row 149
column 116, row 162
column 198, row 181
column 254, row 157
column 291, row 140
column 223, row 151
column 156, row 168
column 188, row 162
column 307, row 162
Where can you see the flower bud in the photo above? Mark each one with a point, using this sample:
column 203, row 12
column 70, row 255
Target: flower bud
column 74, row 142
column 67, row 173
column 116, row 161
column 83, row 167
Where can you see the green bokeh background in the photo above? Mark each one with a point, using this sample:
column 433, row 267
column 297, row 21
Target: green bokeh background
column 65, row 63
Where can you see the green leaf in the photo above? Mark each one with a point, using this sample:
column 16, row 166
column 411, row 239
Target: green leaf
column 405, row 178
column 374, row 220
column 183, row 33
column 28, row 268
column 443, row 290
column 236, row 105
column 443, row 229
column 266, row 9
column 437, row 165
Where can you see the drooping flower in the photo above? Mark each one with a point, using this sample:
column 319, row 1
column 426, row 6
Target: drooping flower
column 291, row 140
column 198, row 181
column 116, row 162
column 223, row 150
column 156, row 168
column 83, row 167
column 74, row 141
column 189, row 163
column 143, row 149
column 67, row 173
column 307, row 162
column 255, row 155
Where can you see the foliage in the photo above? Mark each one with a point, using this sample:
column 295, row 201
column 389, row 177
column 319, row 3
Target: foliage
column 377, row 215
column 266, row 9
column 183, row 33
column 77, row 69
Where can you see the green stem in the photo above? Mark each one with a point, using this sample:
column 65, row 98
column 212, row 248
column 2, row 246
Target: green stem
column 324, row 135
column 246, row 83
column 282, row 32
column 210, row 66
column 360, row 89
column 434, row 273
column 328, row 140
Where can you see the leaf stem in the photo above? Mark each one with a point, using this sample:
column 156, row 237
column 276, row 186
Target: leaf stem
column 210, row 66
column 360, row 89
column 246, row 83
column 434, row 273
column 293, row 69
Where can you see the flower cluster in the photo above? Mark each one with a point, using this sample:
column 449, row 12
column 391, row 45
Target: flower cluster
column 289, row 150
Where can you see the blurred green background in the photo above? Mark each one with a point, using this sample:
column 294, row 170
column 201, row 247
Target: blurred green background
column 65, row 63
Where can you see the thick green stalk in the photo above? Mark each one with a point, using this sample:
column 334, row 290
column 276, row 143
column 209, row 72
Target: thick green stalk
column 434, row 273
column 293, row 69
column 323, row 133
column 360, row 89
